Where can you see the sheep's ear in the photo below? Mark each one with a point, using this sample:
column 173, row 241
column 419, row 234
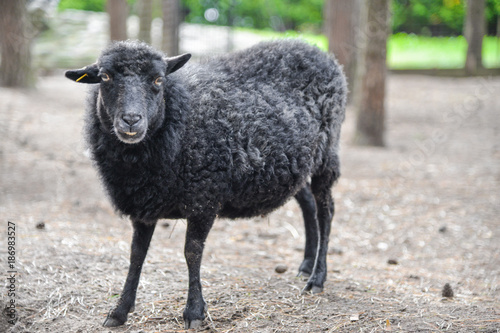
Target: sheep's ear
column 89, row 74
column 174, row 63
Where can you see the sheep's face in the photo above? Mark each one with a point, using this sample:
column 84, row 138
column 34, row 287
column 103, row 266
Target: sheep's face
column 132, row 84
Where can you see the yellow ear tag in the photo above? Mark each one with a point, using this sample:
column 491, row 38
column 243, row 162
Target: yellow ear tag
column 81, row 77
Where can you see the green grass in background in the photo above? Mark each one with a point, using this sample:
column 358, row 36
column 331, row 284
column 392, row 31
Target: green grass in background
column 491, row 52
column 419, row 52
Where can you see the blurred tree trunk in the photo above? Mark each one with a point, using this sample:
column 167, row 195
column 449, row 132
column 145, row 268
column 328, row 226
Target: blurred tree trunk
column 342, row 28
column 118, row 13
column 15, row 41
column 145, row 10
column 475, row 28
column 171, row 20
column 371, row 73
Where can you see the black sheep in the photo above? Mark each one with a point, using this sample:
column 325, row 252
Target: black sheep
column 235, row 136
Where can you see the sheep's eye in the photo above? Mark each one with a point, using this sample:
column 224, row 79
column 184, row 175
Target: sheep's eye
column 105, row 77
column 158, row 81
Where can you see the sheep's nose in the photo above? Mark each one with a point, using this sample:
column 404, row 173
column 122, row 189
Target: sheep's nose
column 131, row 119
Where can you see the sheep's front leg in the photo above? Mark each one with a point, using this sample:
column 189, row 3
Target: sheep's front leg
column 196, row 234
column 140, row 243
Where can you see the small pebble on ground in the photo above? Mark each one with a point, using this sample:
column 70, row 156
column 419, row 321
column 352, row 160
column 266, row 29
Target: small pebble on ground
column 281, row 268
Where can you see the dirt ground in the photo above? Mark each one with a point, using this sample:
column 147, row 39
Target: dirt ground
column 412, row 217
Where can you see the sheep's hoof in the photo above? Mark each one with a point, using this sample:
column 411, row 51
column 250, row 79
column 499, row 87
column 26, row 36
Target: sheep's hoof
column 317, row 290
column 113, row 320
column 193, row 318
column 188, row 324
column 312, row 289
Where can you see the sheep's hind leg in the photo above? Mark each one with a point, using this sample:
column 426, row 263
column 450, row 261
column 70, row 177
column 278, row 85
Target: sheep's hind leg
column 140, row 244
column 307, row 203
column 196, row 234
column 321, row 187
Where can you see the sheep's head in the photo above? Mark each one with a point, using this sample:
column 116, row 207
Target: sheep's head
column 131, row 78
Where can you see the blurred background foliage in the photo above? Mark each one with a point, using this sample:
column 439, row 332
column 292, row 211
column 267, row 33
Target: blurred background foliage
column 422, row 17
column 425, row 33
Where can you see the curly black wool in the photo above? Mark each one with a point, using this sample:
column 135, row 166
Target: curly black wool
column 234, row 136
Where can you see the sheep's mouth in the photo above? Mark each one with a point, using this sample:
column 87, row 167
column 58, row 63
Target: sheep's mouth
column 130, row 137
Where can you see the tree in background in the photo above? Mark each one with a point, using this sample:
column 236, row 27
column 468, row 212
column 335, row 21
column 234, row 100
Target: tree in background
column 371, row 73
column 341, row 29
column 171, row 21
column 15, row 41
column 475, row 27
column 118, row 13
column 145, row 12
